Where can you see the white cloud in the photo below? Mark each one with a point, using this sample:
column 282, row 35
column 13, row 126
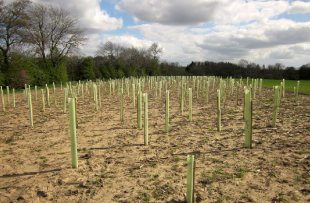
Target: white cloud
column 299, row 7
column 197, row 12
column 89, row 14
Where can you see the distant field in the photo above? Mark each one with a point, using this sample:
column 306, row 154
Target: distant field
column 304, row 86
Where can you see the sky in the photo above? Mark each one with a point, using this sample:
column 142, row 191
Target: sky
column 259, row 31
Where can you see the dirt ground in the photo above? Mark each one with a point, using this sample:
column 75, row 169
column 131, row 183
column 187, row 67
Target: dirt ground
column 115, row 166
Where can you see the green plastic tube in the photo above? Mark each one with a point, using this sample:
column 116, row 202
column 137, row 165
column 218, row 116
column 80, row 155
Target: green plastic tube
column 13, row 97
column 139, row 110
column 72, row 115
column 8, row 93
column 190, row 178
column 248, row 119
column 167, row 111
column 30, row 109
column 122, row 109
column 2, row 98
column 35, row 92
column 276, row 105
column 43, row 102
column 65, row 100
column 219, row 110
column 190, row 104
column 146, row 122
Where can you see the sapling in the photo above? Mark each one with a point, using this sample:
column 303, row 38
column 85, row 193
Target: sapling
column 72, row 115
column 190, row 178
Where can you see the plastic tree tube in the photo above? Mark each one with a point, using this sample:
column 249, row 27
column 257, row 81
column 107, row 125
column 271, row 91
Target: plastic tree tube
column 65, row 100
column 8, row 93
column 43, row 102
column 121, row 113
column 248, row 119
column 30, row 109
column 139, row 110
column 167, row 111
column 219, row 110
column 54, row 90
column 3, row 104
column 72, row 115
column 190, row 178
column 13, row 97
column 190, row 104
column 276, row 105
column 133, row 96
column 47, row 96
column 146, row 122
column 35, row 92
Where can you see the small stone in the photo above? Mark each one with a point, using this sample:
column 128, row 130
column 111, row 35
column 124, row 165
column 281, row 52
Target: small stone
column 41, row 193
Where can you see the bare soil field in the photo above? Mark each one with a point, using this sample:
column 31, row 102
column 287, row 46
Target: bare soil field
column 115, row 166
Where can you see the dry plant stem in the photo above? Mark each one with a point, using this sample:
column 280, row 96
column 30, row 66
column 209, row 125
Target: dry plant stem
column 72, row 116
column 190, row 179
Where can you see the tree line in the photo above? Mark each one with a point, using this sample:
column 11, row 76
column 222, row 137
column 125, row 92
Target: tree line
column 39, row 44
column 245, row 69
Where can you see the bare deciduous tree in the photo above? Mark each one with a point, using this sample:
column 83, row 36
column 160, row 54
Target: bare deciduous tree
column 13, row 21
column 155, row 51
column 54, row 33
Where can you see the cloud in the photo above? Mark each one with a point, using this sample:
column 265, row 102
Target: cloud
column 198, row 12
column 89, row 14
column 299, row 7
column 172, row 12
